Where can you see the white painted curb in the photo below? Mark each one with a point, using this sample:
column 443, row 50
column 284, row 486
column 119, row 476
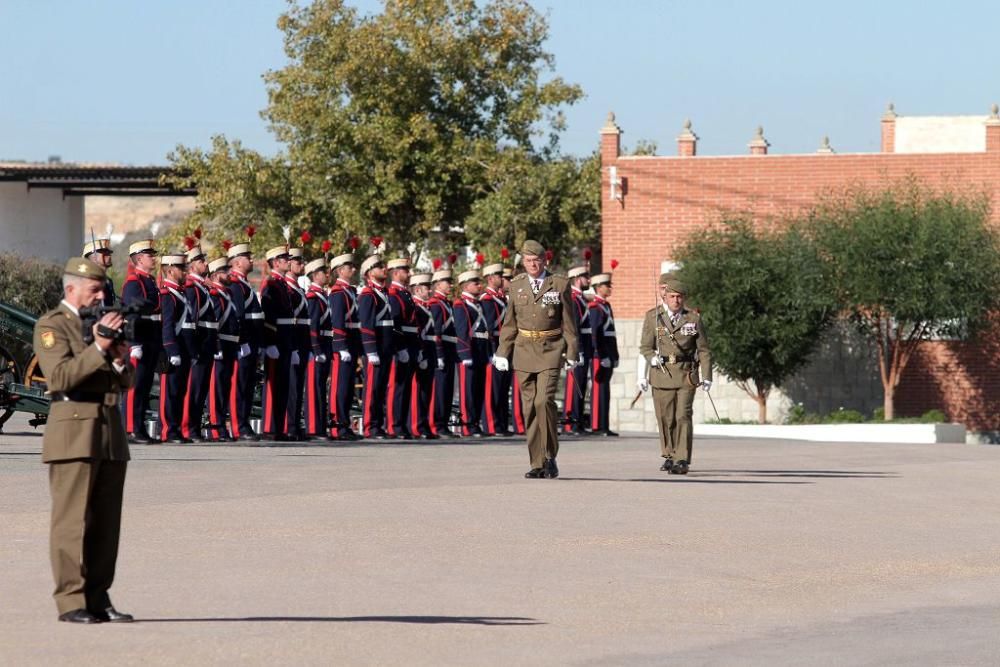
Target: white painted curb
column 903, row 433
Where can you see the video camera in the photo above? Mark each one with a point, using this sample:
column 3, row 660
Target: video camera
column 92, row 314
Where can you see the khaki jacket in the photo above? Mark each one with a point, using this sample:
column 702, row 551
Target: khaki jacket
column 550, row 310
column 686, row 341
column 79, row 429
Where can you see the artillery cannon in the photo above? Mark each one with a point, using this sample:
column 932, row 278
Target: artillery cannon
column 22, row 386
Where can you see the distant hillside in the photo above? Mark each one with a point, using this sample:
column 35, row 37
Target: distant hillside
column 119, row 216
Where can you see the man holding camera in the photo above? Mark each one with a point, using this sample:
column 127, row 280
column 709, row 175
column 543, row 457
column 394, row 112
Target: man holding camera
column 84, row 444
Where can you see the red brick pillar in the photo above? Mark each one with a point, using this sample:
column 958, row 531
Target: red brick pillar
column 687, row 141
column 758, row 145
column 611, row 141
column 889, row 130
column 993, row 131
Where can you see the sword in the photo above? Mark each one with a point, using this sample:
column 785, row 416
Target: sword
column 710, row 400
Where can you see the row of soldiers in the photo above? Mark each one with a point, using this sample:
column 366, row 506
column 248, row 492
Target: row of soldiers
column 207, row 332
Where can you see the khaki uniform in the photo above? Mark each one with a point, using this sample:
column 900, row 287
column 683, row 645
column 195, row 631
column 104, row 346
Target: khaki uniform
column 85, row 444
column 539, row 331
column 687, row 360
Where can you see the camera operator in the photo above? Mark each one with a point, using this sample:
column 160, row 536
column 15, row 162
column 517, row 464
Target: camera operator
column 84, row 445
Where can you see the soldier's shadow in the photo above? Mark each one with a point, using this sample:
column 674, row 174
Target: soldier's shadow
column 428, row 620
column 680, row 479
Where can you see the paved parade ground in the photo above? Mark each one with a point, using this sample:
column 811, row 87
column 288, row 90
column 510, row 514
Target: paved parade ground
column 769, row 552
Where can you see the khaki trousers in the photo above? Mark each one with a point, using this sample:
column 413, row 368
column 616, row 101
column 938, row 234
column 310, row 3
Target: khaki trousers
column 83, row 539
column 673, row 417
column 541, row 423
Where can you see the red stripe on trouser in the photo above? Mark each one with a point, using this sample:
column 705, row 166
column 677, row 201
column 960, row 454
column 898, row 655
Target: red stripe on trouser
column 269, row 397
column 311, row 395
column 334, row 385
column 213, row 412
column 390, row 400
column 518, row 413
column 432, row 419
column 186, row 414
column 570, row 397
column 490, row 423
column 163, row 404
column 414, row 404
column 234, row 415
column 368, row 400
column 595, row 395
column 461, row 400
column 130, row 401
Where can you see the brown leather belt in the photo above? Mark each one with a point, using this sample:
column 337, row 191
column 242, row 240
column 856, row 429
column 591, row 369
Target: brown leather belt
column 676, row 358
column 546, row 333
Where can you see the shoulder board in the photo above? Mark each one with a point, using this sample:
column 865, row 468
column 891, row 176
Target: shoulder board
column 521, row 276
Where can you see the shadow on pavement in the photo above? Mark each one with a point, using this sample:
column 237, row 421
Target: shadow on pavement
column 430, row 620
column 679, row 479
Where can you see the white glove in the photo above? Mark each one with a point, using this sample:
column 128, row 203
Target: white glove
column 175, row 360
column 135, row 352
column 403, row 357
column 706, row 384
column 320, row 358
column 656, row 361
column 217, row 356
column 295, row 358
column 642, row 384
column 579, row 359
column 422, row 364
column 501, row 364
column 373, row 359
column 272, row 352
column 571, row 364
column 345, row 356
column 605, row 363
column 440, row 364
column 466, row 362
column 244, row 351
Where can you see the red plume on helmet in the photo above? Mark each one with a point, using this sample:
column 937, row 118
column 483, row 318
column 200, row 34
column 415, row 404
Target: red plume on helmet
column 354, row 242
column 377, row 243
column 190, row 242
column 614, row 264
column 325, row 248
column 480, row 259
column 251, row 230
column 452, row 258
column 227, row 244
column 548, row 255
column 197, row 233
column 504, row 253
column 306, row 237
column 587, row 254
column 437, row 263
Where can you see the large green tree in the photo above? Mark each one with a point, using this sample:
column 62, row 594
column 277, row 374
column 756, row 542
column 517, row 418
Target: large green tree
column 763, row 293
column 909, row 263
column 394, row 122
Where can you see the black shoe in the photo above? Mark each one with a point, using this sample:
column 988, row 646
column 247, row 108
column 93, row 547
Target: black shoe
column 551, row 469
column 579, row 431
column 79, row 616
column 112, row 615
column 535, row 473
column 178, row 441
column 140, row 439
column 667, row 466
column 606, row 434
column 680, row 468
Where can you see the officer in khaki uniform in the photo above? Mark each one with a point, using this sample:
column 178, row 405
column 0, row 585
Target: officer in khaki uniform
column 675, row 344
column 85, row 446
column 540, row 330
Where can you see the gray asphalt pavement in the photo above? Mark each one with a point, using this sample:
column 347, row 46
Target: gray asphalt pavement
column 768, row 553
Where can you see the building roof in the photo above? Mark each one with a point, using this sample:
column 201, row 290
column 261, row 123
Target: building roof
column 104, row 180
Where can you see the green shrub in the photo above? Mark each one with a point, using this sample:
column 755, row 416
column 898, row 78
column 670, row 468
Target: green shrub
column 842, row 416
column 933, row 417
column 29, row 283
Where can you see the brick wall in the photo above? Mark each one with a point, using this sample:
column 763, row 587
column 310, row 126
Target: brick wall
column 663, row 200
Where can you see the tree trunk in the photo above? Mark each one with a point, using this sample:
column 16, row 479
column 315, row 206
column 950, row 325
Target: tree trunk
column 887, row 403
column 762, row 409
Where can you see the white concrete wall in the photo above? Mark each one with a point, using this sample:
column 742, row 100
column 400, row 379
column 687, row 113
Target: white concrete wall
column 842, row 374
column 40, row 222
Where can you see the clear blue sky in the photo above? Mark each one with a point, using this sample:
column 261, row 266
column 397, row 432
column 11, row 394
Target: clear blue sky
column 127, row 80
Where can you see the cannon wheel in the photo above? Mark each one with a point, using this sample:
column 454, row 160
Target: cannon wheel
column 33, row 374
column 9, row 373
